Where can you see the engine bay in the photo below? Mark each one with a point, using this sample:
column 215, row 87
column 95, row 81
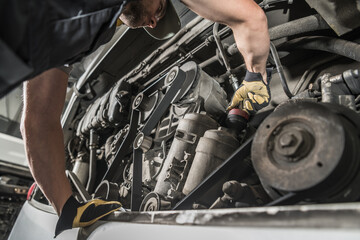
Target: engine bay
column 159, row 137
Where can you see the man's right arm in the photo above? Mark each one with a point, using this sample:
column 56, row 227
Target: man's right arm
column 249, row 25
column 44, row 98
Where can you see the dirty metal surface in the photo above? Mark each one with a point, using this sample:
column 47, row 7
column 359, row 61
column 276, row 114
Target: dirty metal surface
column 286, row 148
column 345, row 215
column 341, row 15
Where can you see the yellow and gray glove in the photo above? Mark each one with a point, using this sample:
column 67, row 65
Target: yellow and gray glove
column 253, row 94
column 75, row 214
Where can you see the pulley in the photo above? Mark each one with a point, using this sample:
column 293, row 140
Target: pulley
column 310, row 148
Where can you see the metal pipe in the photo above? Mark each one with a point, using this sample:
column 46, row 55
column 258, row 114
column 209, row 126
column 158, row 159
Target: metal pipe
column 280, row 70
column 93, row 145
column 209, row 61
column 232, row 78
column 220, row 46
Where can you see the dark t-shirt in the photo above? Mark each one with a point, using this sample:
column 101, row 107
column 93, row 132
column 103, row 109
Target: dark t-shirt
column 37, row 35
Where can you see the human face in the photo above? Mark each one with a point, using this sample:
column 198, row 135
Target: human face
column 143, row 13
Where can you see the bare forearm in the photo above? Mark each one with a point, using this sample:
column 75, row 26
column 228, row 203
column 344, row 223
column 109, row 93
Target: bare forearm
column 43, row 141
column 253, row 42
column 45, row 152
column 41, row 129
column 249, row 25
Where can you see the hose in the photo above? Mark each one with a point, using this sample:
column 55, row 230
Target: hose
column 327, row 44
column 298, row 26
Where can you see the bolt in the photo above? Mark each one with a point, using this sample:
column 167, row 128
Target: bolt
column 171, row 76
column 289, row 143
column 287, row 140
column 138, row 100
column 140, row 140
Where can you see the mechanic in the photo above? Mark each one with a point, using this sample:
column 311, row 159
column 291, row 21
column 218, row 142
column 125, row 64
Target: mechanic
column 54, row 37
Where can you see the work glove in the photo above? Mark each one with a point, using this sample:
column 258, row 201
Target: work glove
column 253, row 94
column 75, row 214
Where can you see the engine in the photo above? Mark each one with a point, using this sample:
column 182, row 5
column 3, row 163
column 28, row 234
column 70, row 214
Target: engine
column 160, row 138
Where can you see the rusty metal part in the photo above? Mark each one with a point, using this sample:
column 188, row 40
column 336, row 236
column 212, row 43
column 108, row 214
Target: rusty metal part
column 310, row 149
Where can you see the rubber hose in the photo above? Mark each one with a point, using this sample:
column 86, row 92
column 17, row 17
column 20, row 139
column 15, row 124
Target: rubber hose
column 298, row 26
column 333, row 45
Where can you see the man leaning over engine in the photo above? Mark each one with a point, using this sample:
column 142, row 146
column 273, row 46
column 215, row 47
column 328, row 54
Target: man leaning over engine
column 45, row 35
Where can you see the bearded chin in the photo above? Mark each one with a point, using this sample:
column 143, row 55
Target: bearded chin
column 133, row 15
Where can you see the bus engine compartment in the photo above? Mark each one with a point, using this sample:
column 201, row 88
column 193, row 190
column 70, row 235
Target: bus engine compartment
column 154, row 133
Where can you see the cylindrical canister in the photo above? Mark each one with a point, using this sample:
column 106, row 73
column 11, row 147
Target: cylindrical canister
column 190, row 129
column 213, row 149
